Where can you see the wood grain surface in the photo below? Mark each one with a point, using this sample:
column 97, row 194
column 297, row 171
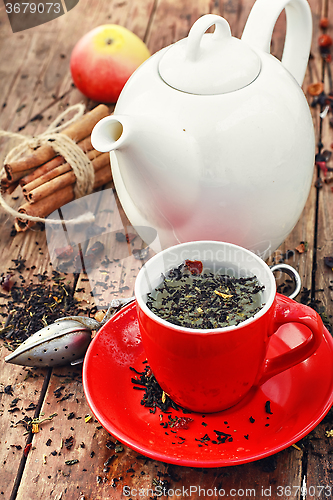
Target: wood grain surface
column 36, row 86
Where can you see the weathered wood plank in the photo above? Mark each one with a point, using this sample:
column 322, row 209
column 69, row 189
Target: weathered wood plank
column 15, row 385
column 172, row 21
column 325, row 206
column 319, row 476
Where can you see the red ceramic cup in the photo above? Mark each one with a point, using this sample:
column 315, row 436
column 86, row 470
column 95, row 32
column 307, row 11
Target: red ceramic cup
column 211, row 370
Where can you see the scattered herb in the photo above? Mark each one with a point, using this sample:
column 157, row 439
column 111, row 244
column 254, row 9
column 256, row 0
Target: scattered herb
column 69, row 442
column 32, row 424
column 222, row 437
column 154, row 396
column 268, row 408
column 140, row 253
column 328, row 261
column 121, row 237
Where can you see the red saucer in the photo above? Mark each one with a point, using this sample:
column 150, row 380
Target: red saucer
column 299, row 399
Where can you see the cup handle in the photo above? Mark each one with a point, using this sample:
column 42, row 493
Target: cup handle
column 287, row 312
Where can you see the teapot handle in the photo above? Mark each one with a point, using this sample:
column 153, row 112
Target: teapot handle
column 260, row 24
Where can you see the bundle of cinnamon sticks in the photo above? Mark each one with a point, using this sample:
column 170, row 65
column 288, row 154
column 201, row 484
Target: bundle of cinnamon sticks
column 47, row 180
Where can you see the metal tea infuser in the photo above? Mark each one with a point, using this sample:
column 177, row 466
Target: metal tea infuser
column 64, row 341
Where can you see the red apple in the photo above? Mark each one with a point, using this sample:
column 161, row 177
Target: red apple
column 103, row 60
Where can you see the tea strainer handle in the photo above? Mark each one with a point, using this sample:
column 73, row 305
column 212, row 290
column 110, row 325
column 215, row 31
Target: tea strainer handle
column 285, row 268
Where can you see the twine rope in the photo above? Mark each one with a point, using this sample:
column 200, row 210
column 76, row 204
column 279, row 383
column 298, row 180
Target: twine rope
column 66, row 147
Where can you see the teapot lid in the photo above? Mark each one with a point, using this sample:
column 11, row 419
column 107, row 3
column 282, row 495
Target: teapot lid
column 209, row 63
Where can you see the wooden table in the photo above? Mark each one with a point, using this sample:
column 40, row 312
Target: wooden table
column 36, row 82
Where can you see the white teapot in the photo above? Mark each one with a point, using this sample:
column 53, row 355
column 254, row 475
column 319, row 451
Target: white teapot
column 212, row 137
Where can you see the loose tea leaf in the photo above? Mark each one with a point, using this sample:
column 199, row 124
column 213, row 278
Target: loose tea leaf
column 154, row 397
column 31, row 306
column 194, row 299
column 328, row 261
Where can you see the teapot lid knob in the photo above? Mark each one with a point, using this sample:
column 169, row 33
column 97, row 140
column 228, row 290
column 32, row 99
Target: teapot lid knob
column 209, row 63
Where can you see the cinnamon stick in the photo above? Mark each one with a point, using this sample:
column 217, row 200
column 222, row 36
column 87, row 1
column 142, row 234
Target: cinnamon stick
column 58, row 169
column 36, row 173
column 46, row 206
column 51, row 187
column 77, row 131
column 11, row 188
column 85, row 144
column 16, row 176
column 86, row 147
column 102, row 177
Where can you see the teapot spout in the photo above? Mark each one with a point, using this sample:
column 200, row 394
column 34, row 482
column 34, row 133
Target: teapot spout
column 109, row 134
column 155, row 166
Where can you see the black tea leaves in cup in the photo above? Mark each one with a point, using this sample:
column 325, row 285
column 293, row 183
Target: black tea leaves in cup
column 192, row 298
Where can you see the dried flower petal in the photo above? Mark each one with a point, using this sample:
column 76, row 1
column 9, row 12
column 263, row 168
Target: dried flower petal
column 27, row 449
column 315, row 88
column 64, row 252
column 302, row 247
column 7, row 283
column 223, row 295
column 181, row 423
column 322, row 165
column 325, row 41
column 194, row 266
column 324, row 23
